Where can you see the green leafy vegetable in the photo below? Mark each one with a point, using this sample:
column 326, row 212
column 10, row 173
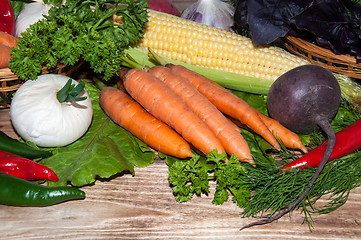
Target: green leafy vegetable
column 104, row 151
column 68, row 93
column 182, row 173
column 80, row 30
column 189, row 178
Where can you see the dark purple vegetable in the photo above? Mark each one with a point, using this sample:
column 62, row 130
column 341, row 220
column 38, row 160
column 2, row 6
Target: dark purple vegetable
column 333, row 24
column 240, row 19
column 304, row 99
column 302, row 95
column 269, row 20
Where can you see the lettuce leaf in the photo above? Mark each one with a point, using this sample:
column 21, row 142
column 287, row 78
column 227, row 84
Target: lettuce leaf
column 105, row 151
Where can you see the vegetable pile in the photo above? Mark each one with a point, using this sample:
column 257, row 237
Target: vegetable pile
column 204, row 131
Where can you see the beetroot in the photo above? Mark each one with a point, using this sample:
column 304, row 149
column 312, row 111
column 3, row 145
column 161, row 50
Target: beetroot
column 165, row 6
column 303, row 94
column 304, row 99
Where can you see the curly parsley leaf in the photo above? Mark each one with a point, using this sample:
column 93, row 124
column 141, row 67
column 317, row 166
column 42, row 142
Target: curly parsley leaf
column 192, row 177
column 188, row 177
column 228, row 176
column 95, row 31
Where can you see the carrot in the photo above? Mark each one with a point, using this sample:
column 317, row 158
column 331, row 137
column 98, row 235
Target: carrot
column 158, row 99
column 4, row 56
column 235, row 126
column 284, row 135
column 7, row 39
column 227, row 102
column 121, row 73
column 127, row 113
column 232, row 141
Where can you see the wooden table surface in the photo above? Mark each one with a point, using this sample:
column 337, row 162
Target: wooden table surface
column 143, row 207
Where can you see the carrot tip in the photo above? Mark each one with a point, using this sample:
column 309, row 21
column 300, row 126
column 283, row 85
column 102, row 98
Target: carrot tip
column 248, row 160
column 304, row 149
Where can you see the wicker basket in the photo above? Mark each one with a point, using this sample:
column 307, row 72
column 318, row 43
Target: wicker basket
column 10, row 81
column 344, row 64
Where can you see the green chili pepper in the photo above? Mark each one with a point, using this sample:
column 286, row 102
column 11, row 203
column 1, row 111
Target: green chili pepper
column 19, row 192
column 22, row 149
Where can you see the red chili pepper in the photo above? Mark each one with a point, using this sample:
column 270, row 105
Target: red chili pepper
column 24, row 168
column 348, row 141
column 7, row 20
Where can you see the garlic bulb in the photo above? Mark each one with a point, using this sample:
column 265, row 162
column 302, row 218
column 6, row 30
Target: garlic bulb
column 31, row 13
column 38, row 116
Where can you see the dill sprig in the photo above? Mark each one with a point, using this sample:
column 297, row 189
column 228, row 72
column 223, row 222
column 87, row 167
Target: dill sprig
column 273, row 190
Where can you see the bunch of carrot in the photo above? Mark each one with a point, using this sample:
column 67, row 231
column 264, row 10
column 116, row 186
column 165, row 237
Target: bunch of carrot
column 174, row 109
column 7, row 41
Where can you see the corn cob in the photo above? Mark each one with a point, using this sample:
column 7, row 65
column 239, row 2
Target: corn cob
column 201, row 45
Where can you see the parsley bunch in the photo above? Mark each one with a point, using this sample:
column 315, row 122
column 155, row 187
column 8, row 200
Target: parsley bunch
column 80, row 30
column 191, row 177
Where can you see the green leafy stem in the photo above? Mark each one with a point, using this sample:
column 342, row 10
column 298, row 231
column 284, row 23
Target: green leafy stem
column 69, row 93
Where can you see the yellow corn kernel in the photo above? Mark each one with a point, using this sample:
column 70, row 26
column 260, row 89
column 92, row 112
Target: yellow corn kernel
column 206, row 46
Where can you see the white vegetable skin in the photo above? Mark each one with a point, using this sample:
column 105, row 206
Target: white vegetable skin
column 31, row 13
column 38, row 116
column 215, row 13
